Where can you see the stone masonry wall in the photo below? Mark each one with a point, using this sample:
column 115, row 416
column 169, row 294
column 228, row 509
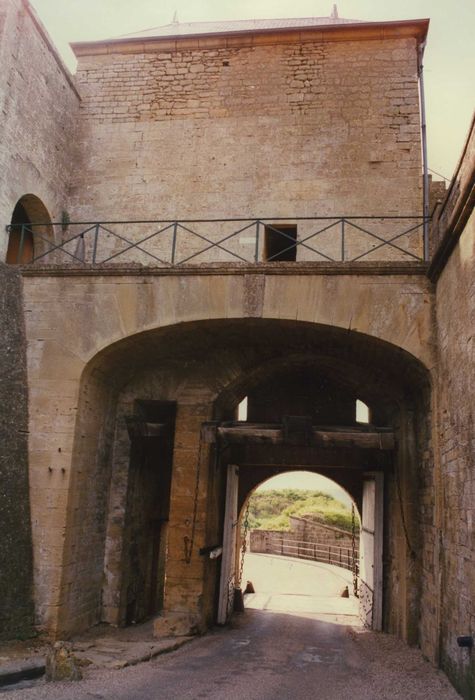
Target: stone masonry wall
column 319, row 532
column 456, row 389
column 301, row 129
column 16, row 570
column 38, row 107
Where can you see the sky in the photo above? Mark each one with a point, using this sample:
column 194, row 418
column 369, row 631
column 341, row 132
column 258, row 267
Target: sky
column 449, row 59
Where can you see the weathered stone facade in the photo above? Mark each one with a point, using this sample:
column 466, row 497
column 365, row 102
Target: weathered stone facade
column 274, row 129
column 35, row 157
column 272, row 125
column 39, row 106
column 454, row 548
column 269, row 128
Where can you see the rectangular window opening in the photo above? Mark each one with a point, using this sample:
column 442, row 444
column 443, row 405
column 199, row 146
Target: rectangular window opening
column 280, row 243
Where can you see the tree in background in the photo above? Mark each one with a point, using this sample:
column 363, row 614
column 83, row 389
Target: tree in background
column 270, row 510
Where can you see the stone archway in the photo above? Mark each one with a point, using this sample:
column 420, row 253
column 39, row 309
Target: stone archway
column 206, row 368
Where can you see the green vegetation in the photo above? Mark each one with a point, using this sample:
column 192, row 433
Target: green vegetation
column 270, row 510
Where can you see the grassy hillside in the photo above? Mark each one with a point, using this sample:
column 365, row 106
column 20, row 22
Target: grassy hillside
column 270, row 510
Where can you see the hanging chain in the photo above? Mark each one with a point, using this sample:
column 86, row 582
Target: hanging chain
column 189, row 541
column 244, row 542
column 354, row 563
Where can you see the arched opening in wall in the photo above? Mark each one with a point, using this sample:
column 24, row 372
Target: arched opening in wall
column 30, row 230
column 298, row 548
column 302, row 382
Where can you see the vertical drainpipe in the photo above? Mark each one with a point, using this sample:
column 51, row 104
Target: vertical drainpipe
column 425, row 181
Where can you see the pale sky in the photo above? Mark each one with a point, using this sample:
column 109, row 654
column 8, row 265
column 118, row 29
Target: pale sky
column 449, row 58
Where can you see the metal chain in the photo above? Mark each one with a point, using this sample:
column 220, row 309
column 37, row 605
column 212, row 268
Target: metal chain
column 355, row 563
column 244, row 542
column 189, row 541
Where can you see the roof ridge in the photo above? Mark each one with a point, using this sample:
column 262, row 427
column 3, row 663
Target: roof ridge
column 281, row 21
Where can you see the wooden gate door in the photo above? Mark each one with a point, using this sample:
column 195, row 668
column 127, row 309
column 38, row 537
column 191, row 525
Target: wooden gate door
column 371, row 552
column 228, row 561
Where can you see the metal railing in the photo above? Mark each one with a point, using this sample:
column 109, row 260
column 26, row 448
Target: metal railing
column 310, row 550
column 247, row 241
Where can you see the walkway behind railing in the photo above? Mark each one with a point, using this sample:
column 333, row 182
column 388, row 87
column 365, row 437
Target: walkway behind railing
column 285, row 545
column 251, row 241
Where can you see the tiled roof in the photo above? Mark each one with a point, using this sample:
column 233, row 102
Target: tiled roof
column 229, row 26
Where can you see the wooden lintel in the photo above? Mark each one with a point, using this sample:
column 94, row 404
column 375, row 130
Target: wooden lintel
column 286, row 456
column 311, row 464
column 370, row 439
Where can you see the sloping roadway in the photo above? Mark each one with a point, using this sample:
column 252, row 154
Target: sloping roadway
column 297, row 640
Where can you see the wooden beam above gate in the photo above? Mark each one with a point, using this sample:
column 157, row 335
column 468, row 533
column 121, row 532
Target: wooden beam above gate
column 318, row 436
column 302, row 457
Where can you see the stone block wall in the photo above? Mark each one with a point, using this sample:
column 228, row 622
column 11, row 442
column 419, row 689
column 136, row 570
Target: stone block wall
column 455, row 314
column 16, row 570
column 279, row 130
column 39, row 107
column 307, row 529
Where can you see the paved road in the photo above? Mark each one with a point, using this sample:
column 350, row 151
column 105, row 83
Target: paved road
column 301, row 646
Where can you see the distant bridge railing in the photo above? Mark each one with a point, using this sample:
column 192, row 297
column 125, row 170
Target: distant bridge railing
column 249, row 241
column 284, row 545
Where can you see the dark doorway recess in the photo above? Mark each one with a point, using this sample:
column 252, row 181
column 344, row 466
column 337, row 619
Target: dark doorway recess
column 152, row 430
column 280, row 243
column 20, row 242
column 30, row 230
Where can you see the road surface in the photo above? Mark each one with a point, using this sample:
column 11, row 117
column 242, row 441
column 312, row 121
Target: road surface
column 297, row 640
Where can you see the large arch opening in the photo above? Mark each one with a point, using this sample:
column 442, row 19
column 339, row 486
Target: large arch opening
column 206, row 369
column 30, row 227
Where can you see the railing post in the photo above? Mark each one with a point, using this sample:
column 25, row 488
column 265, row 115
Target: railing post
column 175, row 231
column 343, row 240
column 94, row 249
column 256, row 250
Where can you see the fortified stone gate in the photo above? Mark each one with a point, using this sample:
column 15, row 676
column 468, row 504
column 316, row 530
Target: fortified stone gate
column 207, row 213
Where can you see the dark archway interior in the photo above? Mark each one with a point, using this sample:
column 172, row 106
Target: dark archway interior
column 29, row 211
column 284, row 367
column 242, row 353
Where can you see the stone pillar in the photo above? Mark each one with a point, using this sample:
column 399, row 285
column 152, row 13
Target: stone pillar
column 53, row 399
column 184, row 587
column 408, row 544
